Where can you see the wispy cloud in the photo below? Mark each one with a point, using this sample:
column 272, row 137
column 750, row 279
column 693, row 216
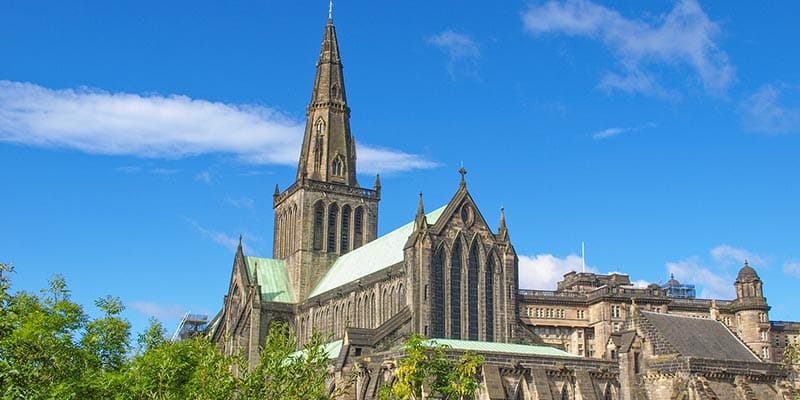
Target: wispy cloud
column 764, row 112
column 98, row 122
column 683, row 37
column 241, row 202
column 203, row 176
column 543, row 271
column 612, row 132
column 714, row 283
column 462, row 52
column 728, row 255
column 715, row 277
column 221, row 238
column 158, row 311
column 792, row 268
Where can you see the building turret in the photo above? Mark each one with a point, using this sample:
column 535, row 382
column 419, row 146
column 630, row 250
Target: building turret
column 751, row 310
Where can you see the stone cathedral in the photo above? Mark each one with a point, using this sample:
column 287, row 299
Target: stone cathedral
column 447, row 275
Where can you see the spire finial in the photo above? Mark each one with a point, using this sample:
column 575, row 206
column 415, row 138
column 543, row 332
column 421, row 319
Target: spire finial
column 240, row 241
column 746, row 264
column 463, row 173
column 330, row 9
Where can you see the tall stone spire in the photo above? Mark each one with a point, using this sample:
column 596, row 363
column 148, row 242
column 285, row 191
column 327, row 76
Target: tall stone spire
column 328, row 153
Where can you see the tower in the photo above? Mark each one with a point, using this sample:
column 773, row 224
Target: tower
column 750, row 308
column 324, row 213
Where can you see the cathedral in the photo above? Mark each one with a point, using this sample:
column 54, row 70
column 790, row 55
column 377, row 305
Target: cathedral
column 447, row 275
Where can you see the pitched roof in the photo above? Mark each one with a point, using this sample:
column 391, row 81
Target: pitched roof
column 506, row 348
column 372, row 257
column 700, row 338
column 273, row 278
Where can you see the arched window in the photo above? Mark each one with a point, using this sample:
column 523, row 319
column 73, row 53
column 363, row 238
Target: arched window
column 607, row 395
column 319, row 220
column 489, row 282
column 334, row 91
column 344, row 241
column 337, row 166
column 437, row 294
column 564, row 393
column 358, row 227
column 320, row 125
column 455, row 291
column 472, row 291
column 333, row 215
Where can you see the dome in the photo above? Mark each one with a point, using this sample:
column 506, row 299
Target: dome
column 747, row 273
column 672, row 282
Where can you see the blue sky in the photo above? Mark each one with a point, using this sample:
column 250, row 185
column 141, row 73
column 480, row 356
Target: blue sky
column 139, row 139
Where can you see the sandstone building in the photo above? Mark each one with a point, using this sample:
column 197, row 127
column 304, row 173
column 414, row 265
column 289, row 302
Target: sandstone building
column 447, row 275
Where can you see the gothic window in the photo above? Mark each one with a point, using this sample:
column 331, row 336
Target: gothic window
column 607, row 395
column 437, row 293
column 358, row 227
column 320, row 125
column 334, row 92
column 337, row 166
column 344, row 241
column 472, row 292
column 455, row 291
column 489, row 282
column 319, row 220
column 333, row 215
column 564, row 393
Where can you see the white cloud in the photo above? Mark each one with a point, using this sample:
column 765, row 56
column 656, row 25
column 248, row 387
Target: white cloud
column 204, row 177
column 792, row 268
column 158, row 311
column 241, row 202
column 607, row 133
column 733, row 256
column 543, row 271
column 99, row 122
column 612, row 132
column 462, row 52
column 683, row 37
column 228, row 241
column 764, row 112
column 714, row 284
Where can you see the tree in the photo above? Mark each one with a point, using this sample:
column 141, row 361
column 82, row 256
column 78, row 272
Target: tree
column 426, row 365
column 50, row 348
column 791, row 361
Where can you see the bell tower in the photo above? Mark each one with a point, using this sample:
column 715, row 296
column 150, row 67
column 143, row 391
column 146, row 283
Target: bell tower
column 324, row 213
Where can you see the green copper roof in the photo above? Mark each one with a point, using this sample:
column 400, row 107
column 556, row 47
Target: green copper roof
column 332, row 349
column 273, row 278
column 374, row 256
column 506, row 348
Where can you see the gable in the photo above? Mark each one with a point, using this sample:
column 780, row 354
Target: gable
column 372, row 257
column 272, row 277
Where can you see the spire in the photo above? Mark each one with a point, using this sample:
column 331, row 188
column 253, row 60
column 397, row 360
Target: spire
column 378, row 182
column 277, row 190
column 328, row 152
column 420, row 222
column 502, row 231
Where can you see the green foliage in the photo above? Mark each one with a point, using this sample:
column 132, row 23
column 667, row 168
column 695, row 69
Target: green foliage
column 791, row 362
column 51, row 349
column 427, row 370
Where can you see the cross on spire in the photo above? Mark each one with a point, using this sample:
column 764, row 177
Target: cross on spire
column 463, row 173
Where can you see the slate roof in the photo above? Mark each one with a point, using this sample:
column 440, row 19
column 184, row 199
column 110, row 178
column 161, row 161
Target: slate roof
column 273, row 278
column 372, row 257
column 700, row 338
